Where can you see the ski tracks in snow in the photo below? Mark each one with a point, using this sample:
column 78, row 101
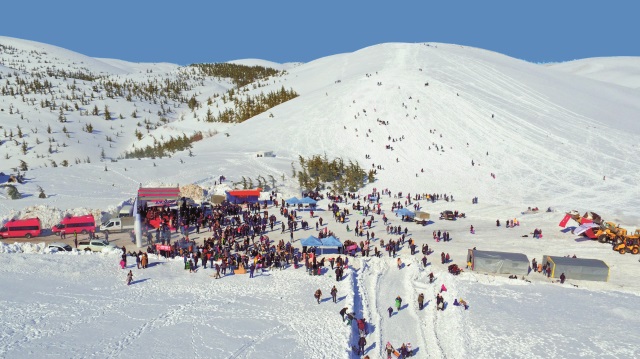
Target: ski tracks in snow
column 432, row 333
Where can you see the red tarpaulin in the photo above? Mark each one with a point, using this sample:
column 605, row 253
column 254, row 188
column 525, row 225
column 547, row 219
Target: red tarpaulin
column 159, row 193
column 245, row 192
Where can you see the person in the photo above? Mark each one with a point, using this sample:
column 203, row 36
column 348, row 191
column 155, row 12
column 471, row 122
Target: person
column 75, row 242
column 463, row 303
column 472, row 230
column 390, row 310
column 399, row 263
column 350, row 317
column 431, row 278
column 129, row 277
column 361, row 343
column 318, row 294
column 389, row 349
column 334, row 294
column 343, row 311
column 562, row 278
column 439, row 302
column 420, row 301
column 443, row 288
column 362, row 326
column 398, row 302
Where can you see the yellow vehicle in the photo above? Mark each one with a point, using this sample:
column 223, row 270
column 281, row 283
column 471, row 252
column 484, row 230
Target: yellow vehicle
column 629, row 245
column 610, row 232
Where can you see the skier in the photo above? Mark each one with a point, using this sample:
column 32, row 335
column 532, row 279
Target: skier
column 129, row 277
column 389, row 349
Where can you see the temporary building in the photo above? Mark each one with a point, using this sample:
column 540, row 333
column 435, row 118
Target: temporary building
column 405, row 212
column 578, row 268
column 244, row 195
column 292, row 200
column 217, row 199
column 498, row 262
column 308, row 200
column 311, row 241
column 423, row 216
column 327, row 242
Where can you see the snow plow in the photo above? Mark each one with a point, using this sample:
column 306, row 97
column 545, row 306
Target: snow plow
column 610, row 232
column 630, row 244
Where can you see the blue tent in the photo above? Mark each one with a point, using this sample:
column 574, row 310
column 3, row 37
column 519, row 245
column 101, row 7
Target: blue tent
column 292, row 200
column 405, row 212
column 311, row 241
column 308, row 200
column 331, row 241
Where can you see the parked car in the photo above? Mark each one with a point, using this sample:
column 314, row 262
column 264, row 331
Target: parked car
column 448, row 215
column 95, row 245
column 59, row 247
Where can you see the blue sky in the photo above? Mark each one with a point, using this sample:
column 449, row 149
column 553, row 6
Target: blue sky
column 189, row 31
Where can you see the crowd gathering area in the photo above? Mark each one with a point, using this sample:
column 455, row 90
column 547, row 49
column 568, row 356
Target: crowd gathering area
column 250, row 239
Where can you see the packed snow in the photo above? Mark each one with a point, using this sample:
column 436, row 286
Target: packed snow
column 554, row 136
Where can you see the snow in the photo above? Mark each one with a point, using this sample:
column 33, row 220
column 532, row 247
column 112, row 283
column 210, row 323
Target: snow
column 622, row 70
column 550, row 134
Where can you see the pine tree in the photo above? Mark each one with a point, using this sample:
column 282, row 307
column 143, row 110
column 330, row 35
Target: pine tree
column 23, row 166
column 107, row 114
column 12, row 192
column 61, row 116
column 42, row 194
column 95, row 111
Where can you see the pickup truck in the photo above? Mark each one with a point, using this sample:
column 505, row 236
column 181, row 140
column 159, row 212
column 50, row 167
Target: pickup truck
column 118, row 225
column 95, row 245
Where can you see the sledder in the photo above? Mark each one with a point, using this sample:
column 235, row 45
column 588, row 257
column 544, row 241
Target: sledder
column 454, row 269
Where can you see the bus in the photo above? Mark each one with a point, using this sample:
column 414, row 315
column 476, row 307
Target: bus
column 28, row 227
column 79, row 224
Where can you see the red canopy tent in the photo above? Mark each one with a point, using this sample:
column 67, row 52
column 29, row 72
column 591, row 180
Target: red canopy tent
column 244, row 195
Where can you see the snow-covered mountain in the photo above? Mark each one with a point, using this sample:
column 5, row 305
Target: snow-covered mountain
column 543, row 133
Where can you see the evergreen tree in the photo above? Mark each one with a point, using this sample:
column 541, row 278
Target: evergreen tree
column 107, row 114
column 12, row 192
column 42, row 194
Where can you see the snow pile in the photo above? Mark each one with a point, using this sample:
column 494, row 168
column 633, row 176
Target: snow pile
column 193, row 191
